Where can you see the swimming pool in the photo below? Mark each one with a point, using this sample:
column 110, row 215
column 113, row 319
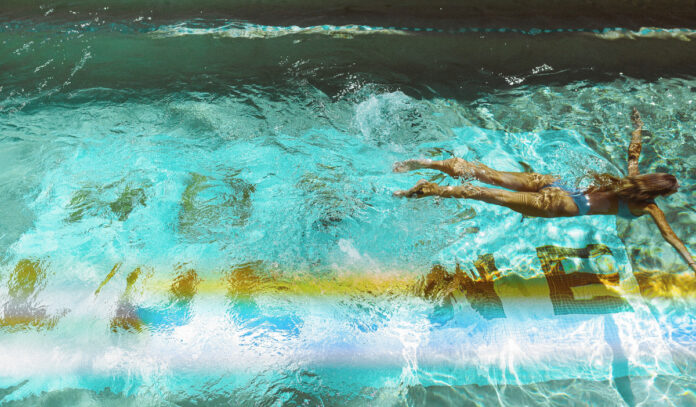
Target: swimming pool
column 198, row 210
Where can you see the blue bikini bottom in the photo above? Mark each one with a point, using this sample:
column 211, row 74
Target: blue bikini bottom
column 583, row 203
column 580, row 199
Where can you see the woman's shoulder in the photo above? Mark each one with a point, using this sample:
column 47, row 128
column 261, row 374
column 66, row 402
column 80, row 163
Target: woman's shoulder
column 636, row 208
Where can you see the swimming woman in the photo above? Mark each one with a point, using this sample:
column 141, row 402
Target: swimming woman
column 547, row 196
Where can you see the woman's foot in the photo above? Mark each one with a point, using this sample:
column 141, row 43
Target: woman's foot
column 421, row 189
column 410, row 165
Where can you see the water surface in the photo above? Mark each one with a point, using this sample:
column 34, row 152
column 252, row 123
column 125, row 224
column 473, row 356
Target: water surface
column 200, row 211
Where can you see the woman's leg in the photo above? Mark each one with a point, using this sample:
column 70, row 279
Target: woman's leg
column 457, row 167
column 546, row 204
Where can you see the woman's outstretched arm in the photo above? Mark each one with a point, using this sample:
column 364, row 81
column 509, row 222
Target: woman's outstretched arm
column 636, row 143
column 669, row 235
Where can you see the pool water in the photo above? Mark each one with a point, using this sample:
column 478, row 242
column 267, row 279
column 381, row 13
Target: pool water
column 200, row 211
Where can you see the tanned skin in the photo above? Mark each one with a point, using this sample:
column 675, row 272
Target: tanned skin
column 531, row 194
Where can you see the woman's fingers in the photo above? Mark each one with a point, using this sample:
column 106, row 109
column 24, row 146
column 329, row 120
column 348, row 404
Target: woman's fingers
column 421, row 189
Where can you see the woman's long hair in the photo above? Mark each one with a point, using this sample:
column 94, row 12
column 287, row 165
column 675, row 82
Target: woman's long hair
column 640, row 188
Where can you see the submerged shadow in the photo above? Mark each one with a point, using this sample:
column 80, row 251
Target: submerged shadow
column 619, row 365
column 176, row 311
column 21, row 311
column 244, row 282
column 479, row 290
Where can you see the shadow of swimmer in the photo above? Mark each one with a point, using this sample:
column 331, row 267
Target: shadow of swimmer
column 563, row 288
column 175, row 311
column 20, row 311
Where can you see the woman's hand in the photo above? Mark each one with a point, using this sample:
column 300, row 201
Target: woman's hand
column 669, row 235
column 636, row 143
column 421, row 189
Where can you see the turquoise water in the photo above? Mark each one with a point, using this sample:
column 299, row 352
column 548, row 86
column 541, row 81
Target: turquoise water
column 199, row 212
